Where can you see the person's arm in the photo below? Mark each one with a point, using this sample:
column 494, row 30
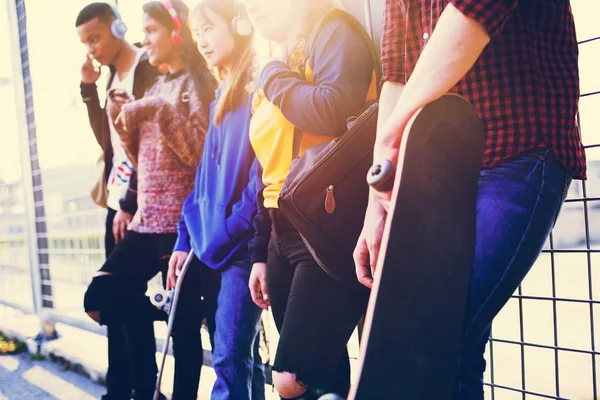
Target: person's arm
column 259, row 244
column 96, row 114
column 243, row 211
column 182, row 247
column 129, row 202
column 127, row 129
column 390, row 93
column 183, row 242
column 185, row 133
column 342, row 74
column 184, row 126
column 144, row 76
column 460, row 36
column 89, row 94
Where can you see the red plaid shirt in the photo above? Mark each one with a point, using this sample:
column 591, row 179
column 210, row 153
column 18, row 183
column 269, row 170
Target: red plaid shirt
column 525, row 85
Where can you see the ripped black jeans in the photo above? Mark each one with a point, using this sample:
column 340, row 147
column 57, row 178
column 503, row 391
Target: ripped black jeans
column 314, row 313
column 129, row 316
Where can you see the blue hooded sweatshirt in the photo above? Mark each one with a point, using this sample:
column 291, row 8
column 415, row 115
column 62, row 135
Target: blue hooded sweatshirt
column 217, row 216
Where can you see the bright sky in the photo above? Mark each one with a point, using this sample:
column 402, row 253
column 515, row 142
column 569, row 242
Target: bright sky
column 64, row 136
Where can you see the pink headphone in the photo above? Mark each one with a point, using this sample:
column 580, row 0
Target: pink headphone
column 175, row 34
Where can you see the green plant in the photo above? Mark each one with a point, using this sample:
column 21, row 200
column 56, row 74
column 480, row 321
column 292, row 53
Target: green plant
column 10, row 346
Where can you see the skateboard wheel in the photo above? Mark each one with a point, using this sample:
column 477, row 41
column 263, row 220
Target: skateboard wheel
column 162, row 300
column 381, row 176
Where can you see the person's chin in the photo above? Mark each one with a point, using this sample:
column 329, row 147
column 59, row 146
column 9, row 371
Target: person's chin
column 154, row 61
column 211, row 63
column 102, row 61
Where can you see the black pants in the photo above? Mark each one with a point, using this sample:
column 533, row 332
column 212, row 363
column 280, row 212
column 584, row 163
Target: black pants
column 129, row 317
column 109, row 239
column 118, row 374
column 314, row 313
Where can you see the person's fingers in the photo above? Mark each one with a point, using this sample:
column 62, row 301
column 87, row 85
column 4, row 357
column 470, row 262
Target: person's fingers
column 171, row 280
column 119, row 100
column 365, row 278
column 257, row 294
column 172, row 262
column 255, row 291
column 362, row 264
column 122, row 229
column 180, row 262
column 119, row 121
column 373, row 257
column 115, row 231
column 264, row 289
column 88, row 65
column 384, row 198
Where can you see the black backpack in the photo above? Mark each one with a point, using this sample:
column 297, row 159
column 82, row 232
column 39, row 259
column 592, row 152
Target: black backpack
column 325, row 194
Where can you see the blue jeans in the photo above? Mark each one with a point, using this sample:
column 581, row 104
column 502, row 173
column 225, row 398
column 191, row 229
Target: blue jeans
column 517, row 206
column 233, row 321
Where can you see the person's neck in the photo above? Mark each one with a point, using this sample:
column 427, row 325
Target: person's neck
column 296, row 30
column 226, row 69
column 125, row 59
column 175, row 65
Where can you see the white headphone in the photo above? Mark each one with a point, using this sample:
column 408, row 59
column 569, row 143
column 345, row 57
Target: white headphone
column 241, row 24
column 117, row 27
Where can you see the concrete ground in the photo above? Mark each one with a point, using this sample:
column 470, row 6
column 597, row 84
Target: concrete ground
column 24, row 379
column 82, row 351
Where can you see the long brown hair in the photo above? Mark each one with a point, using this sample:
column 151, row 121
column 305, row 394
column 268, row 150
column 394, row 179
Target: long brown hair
column 234, row 93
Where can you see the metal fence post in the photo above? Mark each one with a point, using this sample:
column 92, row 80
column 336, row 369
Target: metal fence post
column 37, row 237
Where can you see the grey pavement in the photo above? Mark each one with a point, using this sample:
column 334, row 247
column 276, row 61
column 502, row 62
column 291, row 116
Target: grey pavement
column 86, row 351
column 24, row 379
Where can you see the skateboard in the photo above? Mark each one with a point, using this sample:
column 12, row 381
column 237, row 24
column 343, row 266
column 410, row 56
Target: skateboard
column 171, row 307
column 411, row 341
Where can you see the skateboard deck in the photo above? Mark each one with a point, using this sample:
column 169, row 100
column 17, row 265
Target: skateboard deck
column 411, row 340
column 171, row 322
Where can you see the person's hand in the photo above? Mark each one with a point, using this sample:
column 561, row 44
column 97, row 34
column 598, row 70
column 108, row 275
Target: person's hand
column 367, row 249
column 89, row 73
column 114, row 104
column 385, row 154
column 175, row 264
column 120, row 122
column 387, row 147
column 115, row 100
column 258, row 285
column 120, row 225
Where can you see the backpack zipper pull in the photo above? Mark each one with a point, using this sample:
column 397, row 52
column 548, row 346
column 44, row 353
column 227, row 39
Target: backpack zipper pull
column 330, row 200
